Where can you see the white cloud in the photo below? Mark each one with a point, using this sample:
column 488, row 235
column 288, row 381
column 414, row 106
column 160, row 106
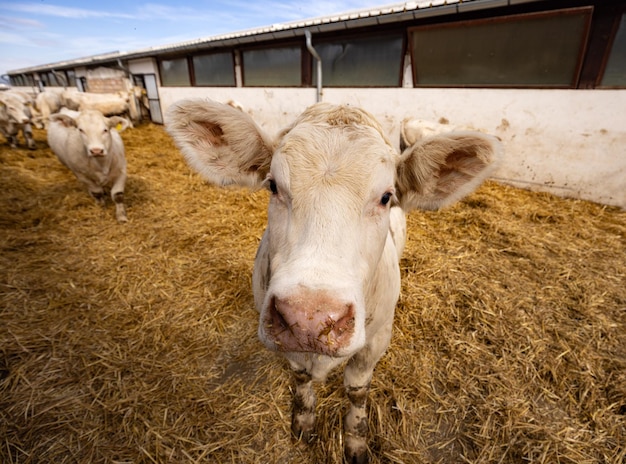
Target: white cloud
column 10, row 23
column 60, row 11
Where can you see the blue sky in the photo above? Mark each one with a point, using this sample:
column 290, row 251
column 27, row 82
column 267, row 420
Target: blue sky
column 39, row 32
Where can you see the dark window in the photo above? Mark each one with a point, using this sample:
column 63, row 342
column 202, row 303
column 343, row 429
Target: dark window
column 216, row 69
column 615, row 71
column 361, row 62
column 532, row 50
column 52, row 79
column 71, row 78
column 175, row 73
column 273, row 67
column 59, row 78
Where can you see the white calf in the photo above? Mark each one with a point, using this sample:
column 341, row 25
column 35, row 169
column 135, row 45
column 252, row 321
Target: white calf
column 326, row 275
column 47, row 103
column 91, row 147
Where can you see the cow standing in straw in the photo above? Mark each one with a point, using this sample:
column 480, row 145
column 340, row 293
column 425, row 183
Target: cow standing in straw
column 15, row 117
column 326, row 275
column 89, row 144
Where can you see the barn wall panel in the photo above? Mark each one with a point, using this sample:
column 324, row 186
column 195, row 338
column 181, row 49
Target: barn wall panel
column 568, row 142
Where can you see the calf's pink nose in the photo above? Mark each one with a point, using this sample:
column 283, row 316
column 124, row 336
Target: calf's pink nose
column 310, row 322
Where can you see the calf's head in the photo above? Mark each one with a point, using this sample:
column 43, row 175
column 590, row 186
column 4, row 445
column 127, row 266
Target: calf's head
column 333, row 178
column 94, row 129
column 14, row 110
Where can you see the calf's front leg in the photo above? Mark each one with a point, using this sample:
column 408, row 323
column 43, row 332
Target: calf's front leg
column 304, row 401
column 28, row 136
column 12, row 140
column 97, row 193
column 357, row 378
column 120, row 209
column 117, row 194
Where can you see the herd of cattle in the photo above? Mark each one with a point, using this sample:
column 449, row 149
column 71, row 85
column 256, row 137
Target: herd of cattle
column 19, row 110
column 82, row 130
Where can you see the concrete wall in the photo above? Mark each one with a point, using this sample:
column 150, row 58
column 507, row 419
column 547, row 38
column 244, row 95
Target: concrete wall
column 568, row 142
column 143, row 66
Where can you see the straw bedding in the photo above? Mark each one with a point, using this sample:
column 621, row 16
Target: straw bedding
column 136, row 343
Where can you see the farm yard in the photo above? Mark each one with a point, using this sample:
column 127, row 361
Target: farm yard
column 136, row 342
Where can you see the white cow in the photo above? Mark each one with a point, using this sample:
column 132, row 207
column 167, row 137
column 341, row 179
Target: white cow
column 109, row 104
column 69, row 98
column 326, row 275
column 15, row 116
column 48, row 102
column 90, row 146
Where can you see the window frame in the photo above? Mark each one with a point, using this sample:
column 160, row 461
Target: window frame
column 191, row 64
column 400, row 32
column 587, row 12
column 619, row 16
column 304, row 54
column 173, row 58
column 71, row 77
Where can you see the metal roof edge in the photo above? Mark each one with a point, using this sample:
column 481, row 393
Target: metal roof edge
column 385, row 14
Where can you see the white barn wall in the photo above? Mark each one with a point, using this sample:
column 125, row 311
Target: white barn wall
column 568, row 142
column 143, row 66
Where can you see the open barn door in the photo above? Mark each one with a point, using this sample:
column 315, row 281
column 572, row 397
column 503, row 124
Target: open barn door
column 148, row 82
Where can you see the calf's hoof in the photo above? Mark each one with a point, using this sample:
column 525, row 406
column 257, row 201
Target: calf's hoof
column 121, row 216
column 355, row 452
column 356, row 458
column 303, row 426
column 99, row 197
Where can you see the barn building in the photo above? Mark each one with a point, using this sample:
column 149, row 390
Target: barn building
column 547, row 77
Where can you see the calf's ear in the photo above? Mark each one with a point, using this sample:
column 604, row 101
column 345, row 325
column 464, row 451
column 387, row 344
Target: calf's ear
column 220, row 142
column 64, row 119
column 437, row 171
column 118, row 123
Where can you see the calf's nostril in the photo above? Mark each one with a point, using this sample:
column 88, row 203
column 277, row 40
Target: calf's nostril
column 345, row 324
column 278, row 321
column 339, row 326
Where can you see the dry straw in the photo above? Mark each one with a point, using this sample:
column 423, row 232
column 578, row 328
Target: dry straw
column 137, row 343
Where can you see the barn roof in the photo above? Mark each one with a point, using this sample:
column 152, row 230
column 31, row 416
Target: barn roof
column 387, row 14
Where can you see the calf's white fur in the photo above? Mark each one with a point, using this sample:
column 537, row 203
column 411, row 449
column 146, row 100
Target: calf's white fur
column 326, row 275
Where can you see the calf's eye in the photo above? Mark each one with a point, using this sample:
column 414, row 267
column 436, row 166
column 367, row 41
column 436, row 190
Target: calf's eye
column 273, row 188
column 385, row 198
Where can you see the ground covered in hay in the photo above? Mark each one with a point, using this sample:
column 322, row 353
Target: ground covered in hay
column 136, row 343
